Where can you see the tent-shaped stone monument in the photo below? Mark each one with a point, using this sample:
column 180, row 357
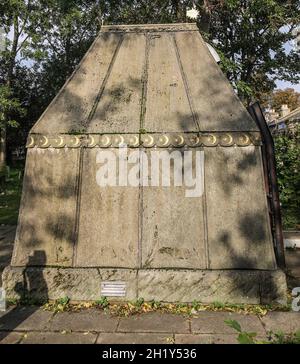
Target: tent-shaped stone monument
column 149, row 88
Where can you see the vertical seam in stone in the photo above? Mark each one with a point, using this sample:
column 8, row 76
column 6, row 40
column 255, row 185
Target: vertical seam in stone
column 145, row 83
column 140, row 212
column 142, row 119
column 97, row 337
column 190, row 326
column 118, row 325
column 204, row 209
column 185, row 82
column 261, row 277
column 104, row 83
column 137, row 277
column 78, row 203
column 67, row 81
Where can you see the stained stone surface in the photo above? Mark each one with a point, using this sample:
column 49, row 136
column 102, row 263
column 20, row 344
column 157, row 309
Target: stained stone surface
column 70, row 109
column 273, row 287
column 214, row 104
column 155, row 87
column 45, row 233
column 77, row 284
column 109, row 218
column 172, row 236
column 151, row 284
column 119, row 107
column 166, row 79
column 210, row 286
column 167, row 102
column 239, row 233
column 204, row 286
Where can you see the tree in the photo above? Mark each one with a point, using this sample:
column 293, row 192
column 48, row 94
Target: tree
column 8, row 106
column 250, row 36
column 20, row 18
column 145, row 11
column 287, row 147
column 288, row 96
column 68, row 31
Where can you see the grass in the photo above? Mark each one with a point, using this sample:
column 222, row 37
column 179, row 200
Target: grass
column 10, row 195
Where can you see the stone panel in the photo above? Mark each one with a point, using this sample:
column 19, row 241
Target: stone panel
column 239, row 233
column 214, row 102
column 168, row 108
column 45, row 234
column 108, row 224
column 70, row 109
column 54, row 283
column 207, row 286
column 204, row 286
column 119, row 108
column 173, row 233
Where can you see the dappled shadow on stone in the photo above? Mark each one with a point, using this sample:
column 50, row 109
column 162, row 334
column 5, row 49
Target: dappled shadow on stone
column 25, row 290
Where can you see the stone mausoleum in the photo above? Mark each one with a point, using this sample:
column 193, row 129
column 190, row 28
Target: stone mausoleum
column 151, row 88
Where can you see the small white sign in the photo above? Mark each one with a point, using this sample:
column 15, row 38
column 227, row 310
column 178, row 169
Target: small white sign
column 2, row 300
column 113, row 289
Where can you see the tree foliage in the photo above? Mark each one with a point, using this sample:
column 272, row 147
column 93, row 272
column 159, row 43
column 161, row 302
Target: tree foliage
column 288, row 97
column 251, row 37
column 287, row 148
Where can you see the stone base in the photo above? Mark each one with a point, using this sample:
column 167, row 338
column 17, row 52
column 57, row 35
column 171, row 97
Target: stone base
column 165, row 285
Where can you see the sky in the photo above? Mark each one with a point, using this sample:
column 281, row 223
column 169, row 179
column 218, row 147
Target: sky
column 284, row 84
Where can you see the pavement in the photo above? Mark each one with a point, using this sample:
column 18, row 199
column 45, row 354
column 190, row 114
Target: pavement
column 33, row 325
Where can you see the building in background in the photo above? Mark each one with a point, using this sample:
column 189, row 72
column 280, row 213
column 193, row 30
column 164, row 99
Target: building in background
column 284, row 120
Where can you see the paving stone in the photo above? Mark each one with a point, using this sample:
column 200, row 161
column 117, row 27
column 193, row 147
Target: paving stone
column 136, row 338
column 154, row 322
column 58, row 338
column 25, row 319
column 213, row 323
column 88, row 320
column 11, row 337
column 206, row 339
column 287, row 322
